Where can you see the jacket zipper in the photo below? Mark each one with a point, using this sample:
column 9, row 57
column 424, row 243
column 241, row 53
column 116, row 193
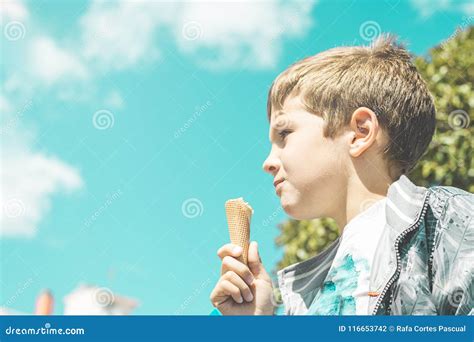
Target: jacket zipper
column 397, row 242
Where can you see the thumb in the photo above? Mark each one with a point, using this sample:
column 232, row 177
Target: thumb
column 255, row 262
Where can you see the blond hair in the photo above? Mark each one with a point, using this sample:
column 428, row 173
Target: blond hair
column 334, row 83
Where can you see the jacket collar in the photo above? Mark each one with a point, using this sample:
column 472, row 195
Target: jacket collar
column 404, row 203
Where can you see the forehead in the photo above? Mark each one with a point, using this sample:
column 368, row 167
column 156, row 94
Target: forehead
column 291, row 106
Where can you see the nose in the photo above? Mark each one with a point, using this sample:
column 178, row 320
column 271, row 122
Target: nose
column 271, row 165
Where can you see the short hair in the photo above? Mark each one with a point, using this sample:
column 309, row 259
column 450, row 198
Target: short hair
column 382, row 77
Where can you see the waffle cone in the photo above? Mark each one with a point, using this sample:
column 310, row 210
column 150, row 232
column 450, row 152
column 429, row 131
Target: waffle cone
column 239, row 214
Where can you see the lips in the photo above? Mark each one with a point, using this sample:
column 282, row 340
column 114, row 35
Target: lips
column 279, row 187
column 278, row 181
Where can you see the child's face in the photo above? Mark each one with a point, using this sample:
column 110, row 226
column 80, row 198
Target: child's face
column 313, row 167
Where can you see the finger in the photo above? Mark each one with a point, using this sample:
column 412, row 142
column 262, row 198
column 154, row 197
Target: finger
column 240, row 283
column 255, row 262
column 229, row 249
column 231, row 290
column 231, row 264
column 218, row 296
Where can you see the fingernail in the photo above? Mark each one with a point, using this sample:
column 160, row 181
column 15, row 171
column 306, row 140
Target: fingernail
column 240, row 300
column 249, row 297
column 237, row 250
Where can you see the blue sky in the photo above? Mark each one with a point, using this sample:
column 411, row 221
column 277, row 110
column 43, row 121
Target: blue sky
column 127, row 125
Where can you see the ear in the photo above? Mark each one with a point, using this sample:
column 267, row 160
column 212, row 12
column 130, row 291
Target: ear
column 364, row 126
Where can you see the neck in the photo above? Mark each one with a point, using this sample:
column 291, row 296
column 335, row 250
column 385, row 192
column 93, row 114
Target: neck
column 360, row 195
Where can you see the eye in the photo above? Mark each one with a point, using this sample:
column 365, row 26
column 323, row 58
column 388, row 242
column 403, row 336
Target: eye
column 284, row 133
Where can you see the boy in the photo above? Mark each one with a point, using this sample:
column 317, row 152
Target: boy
column 346, row 125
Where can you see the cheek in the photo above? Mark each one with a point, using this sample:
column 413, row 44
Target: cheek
column 309, row 161
column 298, row 150
column 301, row 157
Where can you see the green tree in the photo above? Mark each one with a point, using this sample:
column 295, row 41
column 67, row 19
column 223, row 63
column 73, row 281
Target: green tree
column 449, row 71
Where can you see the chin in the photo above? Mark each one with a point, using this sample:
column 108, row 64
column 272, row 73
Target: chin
column 296, row 212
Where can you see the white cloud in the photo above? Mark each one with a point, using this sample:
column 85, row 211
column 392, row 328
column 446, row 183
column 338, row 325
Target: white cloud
column 114, row 100
column 12, row 10
column 236, row 33
column 29, row 179
column 428, row 7
column 5, row 105
column 468, row 9
column 50, row 63
column 124, row 34
column 119, row 35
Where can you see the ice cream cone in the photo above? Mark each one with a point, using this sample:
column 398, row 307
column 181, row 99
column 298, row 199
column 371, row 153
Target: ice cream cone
column 239, row 214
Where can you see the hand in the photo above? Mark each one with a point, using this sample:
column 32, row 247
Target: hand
column 242, row 289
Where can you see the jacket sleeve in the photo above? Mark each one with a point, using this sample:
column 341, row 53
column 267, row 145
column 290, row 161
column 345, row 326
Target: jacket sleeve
column 453, row 255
